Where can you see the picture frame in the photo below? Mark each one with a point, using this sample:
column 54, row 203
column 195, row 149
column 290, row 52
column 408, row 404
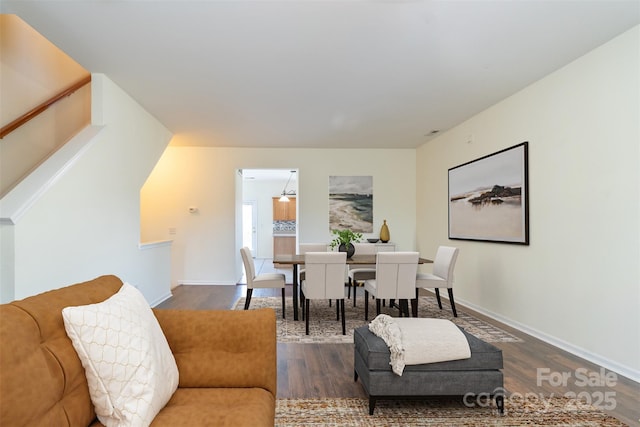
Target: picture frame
column 351, row 203
column 489, row 197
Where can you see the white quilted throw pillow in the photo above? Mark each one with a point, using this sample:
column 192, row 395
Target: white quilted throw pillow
column 129, row 366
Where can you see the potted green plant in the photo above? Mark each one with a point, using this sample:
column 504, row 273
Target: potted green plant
column 344, row 240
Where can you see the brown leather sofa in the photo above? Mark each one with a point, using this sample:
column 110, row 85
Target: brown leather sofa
column 226, row 362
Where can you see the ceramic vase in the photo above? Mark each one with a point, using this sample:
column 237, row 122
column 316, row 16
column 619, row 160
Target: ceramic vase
column 349, row 249
column 384, row 232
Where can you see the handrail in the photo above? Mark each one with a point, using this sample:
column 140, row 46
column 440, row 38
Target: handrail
column 42, row 107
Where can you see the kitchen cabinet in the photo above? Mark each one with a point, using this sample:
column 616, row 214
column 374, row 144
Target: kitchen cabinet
column 284, row 211
column 284, row 245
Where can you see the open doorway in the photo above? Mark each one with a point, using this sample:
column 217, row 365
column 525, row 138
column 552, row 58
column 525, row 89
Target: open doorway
column 262, row 222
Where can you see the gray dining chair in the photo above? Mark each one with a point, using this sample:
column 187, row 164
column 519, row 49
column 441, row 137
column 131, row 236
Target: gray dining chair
column 442, row 277
column 264, row 280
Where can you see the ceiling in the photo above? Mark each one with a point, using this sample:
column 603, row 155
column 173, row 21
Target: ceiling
column 322, row 74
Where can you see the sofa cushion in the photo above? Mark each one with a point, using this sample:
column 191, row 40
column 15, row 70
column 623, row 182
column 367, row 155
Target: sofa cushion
column 377, row 356
column 220, row 407
column 129, row 366
column 223, row 348
column 36, row 350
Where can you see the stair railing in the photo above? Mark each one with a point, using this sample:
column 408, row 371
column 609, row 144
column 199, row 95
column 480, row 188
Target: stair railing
column 42, row 107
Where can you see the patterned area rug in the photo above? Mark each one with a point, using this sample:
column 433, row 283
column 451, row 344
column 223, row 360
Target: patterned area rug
column 324, row 328
column 438, row 412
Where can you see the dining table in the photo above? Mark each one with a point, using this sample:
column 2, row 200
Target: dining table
column 296, row 260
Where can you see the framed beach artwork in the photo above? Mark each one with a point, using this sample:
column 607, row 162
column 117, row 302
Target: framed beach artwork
column 489, row 198
column 351, row 203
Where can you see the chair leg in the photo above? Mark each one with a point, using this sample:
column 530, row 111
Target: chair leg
column 248, row 299
column 337, row 309
column 404, row 308
column 344, row 326
column 355, row 291
column 306, row 303
column 366, row 305
column 283, row 303
column 438, row 297
column 302, row 298
column 377, row 307
column 414, row 305
column 453, row 304
column 349, row 288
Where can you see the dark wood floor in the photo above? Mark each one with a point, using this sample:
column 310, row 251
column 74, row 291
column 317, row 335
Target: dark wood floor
column 326, row 370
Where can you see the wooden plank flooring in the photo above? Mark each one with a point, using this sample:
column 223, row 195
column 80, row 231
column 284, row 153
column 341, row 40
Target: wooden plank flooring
column 326, row 370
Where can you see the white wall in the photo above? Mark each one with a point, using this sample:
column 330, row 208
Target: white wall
column 204, row 248
column 32, row 70
column 88, row 222
column 578, row 283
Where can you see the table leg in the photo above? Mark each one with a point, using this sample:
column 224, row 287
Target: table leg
column 295, row 291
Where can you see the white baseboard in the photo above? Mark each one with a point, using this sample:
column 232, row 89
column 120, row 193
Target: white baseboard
column 626, row 371
column 162, row 299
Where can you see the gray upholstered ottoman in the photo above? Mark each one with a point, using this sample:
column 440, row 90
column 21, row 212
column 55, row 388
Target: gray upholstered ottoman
column 478, row 375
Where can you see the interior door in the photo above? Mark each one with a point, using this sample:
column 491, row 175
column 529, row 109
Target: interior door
column 250, row 225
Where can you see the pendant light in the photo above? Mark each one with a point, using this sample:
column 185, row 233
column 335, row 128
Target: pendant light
column 284, row 197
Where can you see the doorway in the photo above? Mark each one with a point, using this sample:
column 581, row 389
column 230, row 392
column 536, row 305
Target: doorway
column 259, row 188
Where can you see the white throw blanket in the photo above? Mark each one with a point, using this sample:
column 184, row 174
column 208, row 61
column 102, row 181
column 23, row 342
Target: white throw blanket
column 415, row 341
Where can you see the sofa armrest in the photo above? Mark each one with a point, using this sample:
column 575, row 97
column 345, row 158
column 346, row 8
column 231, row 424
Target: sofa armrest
column 222, row 348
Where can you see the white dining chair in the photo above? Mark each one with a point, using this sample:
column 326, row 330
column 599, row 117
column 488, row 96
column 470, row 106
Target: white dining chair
column 324, row 279
column 303, row 248
column 442, row 277
column 395, row 279
column 264, row 280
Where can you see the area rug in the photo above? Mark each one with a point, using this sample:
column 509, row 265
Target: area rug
column 324, row 328
column 556, row 411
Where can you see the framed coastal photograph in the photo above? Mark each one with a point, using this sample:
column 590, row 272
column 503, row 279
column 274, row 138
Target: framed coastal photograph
column 488, row 198
column 351, row 203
